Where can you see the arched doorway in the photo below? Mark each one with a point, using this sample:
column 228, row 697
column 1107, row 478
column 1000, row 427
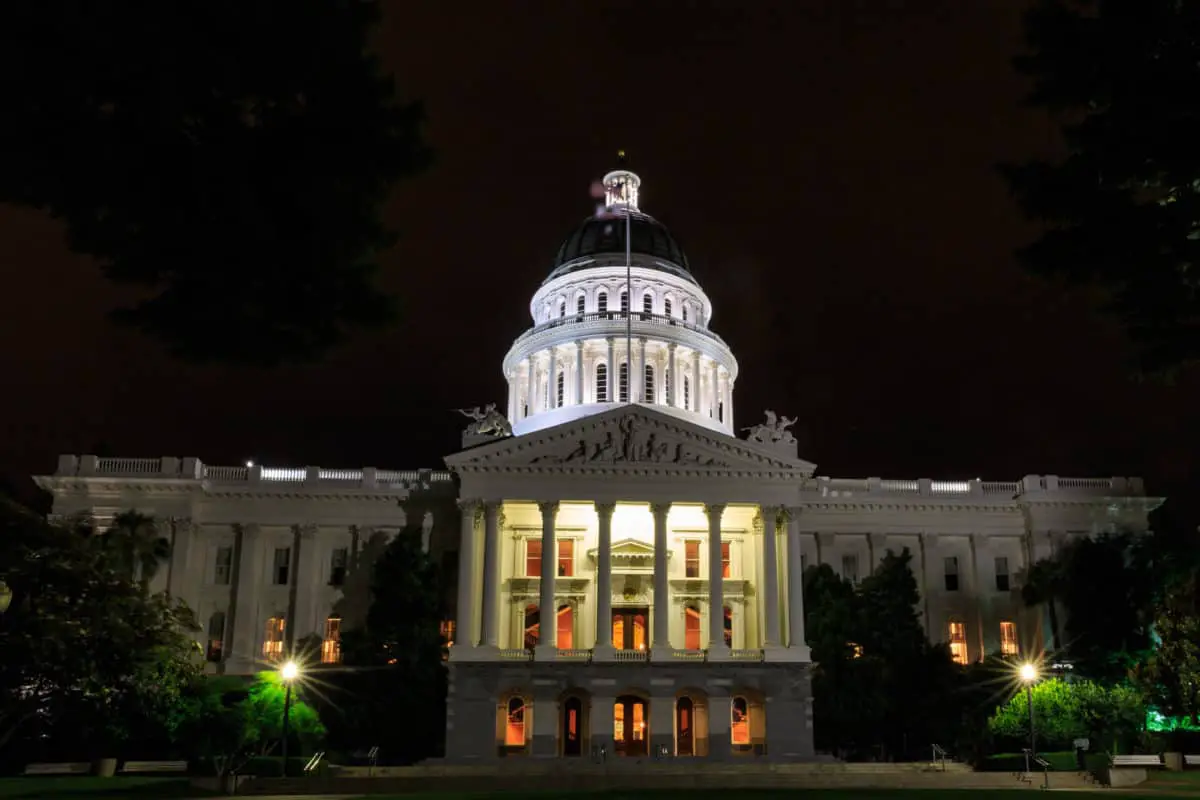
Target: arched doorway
column 630, row 734
column 572, row 727
column 685, row 727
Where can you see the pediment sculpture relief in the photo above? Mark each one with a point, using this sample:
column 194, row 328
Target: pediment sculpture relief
column 629, row 444
column 773, row 431
column 486, row 422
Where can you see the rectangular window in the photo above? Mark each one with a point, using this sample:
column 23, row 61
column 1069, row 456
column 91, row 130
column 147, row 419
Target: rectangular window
column 725, row 571
column 1008, row 639
column 566, row 558
column 273, row 638
column 447, row 629
column 1002, row 582
column 623, row 383
column 691, row 558
column 533, row 558
column 958, row 643
column 339, row 560
column 331, row 643
column 850, row 568
column 951, row 573
column 282, row 565
column 223, row 573
column 216, row 637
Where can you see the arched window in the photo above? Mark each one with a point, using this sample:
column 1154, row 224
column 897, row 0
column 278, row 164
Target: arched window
column 683, row 308
column 687, row 392
column 739, row 721
column 514, row 729
column 691, row 628
column 531, row 626
column 216, row 637
column 566, row 627
column 562, row 308
column 728, row 627
column 648, row 384
column 602, row 383
column 602, row 301
column 579, row 301
column 647, row 303
column 623, row 380
column 624, row 300
column 558, row 390
column 721, row 411
column 331, row 643
column 667, row 306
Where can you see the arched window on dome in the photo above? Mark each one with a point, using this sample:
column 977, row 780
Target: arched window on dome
column 623, row 383
column 602, row 301
column 579, row 304
column 721, row 411
column 562, row 308
column 667, row 306
column 687, row 393
column 624, row 301
column 647, row 305
column 684, row 310
column 648, row 384
column 558, row 390
column 602, row 383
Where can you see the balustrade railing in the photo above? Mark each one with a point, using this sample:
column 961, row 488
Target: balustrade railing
column 638, row 318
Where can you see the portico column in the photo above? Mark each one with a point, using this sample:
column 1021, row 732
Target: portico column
column 797, row 648
column 696, row 392
column 672, row 375
column 716, row 589
column 578, row 373
column 491, row 574
column 547, row 612
column 603, row 648
column 532, row 388
column 552, row 382
column 770, row 515
column 467, row 598
column 661, row 642
column 611, row 371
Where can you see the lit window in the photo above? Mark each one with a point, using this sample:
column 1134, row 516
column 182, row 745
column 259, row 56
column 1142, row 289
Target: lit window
column 566, row 558
column 602, row 301
column 850, row 568
column 601, row 383
column 691, row 558
column 739, row 722
column 725, row 570
column 533, row 558
column 282, row 565
column 566, row 628
column 514, row 730
column 216, row 637
column 951, row 574
column 856, row 650
column 273, row 638
column 331, row 644
column 958, row 643
column 447, row 630
column 1008, row 638
column 532, row 622
column 728, row 627
column 224, row 567
column 1002, row 581
column 691, row 628
column 338, row 561
column 648, row 384
column 623, row 383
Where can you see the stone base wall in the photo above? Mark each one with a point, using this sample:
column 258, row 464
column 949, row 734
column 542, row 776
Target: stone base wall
column 777, row 695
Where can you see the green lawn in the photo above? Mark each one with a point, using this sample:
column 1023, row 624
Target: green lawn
column 753, row 794
column 70, row 786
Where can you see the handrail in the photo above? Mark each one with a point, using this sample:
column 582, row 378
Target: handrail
column 1045, row 765
column 314, row 762
column 939, row 754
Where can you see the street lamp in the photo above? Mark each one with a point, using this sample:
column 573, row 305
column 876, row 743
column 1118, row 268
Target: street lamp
column 288, row 672
column 1029, row 675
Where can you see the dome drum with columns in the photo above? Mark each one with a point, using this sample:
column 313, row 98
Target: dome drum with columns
column 607, row 331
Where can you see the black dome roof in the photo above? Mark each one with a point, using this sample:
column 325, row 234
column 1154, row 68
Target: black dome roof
column 594, row 236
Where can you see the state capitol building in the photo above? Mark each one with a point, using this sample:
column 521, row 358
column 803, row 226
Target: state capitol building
column 614, row 502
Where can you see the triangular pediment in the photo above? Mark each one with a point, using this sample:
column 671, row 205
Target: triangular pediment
column 632, row 548
column 629, row 435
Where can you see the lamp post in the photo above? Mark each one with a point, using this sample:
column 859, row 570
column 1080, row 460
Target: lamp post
column 288, row 673
column 1029, row 676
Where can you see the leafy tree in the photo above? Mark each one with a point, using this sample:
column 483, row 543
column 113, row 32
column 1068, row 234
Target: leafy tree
column 1065, row 711
column 1122, row 209
column 86, row 649
column 1170, row 676
column 135, row 545
column 390, row 690
column 225, row 159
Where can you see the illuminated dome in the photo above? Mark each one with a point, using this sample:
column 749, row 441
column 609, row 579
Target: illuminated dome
column 586, row 352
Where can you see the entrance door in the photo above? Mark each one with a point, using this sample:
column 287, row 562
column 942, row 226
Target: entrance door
column 685, row 723
column 630, row 627
column 572, row 732
column 630, row 715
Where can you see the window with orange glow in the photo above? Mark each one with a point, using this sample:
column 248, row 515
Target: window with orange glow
column 691, row 558
column 618, row 630
column 619, row 722
column 533, row 558
column 639, row 632
column 639, row 722
column 1008, row 639
column 691, row 628
column 531, row 626
column 739, row 721
column 331, row 644
column 958, row 643
column 514, row 730
column 724, row 559
column 273, row 638
column 566, row 628
column 447, row 630
column 728, row 627
column 566, row 558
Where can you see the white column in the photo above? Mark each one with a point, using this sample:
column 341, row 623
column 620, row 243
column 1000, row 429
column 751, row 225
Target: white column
column 552, row 381
column 547, row 611
column 514, row 389
column 612, row 370
column 716, row 588
column 642, row 373
column 579, row 372
column 603, row 648
column 713, row 390
column 797, row 648
column 491, row 574
column 770, row 515
column 661, row 643
column 696, row 394
column 464, row 633
column 531, row 391
column 673, row 380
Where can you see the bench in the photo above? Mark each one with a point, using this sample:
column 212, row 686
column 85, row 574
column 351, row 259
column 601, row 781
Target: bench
column 143, row 767
column 1137, row 761
column 1132, row 769
column 1191, row 761
column 63, row 768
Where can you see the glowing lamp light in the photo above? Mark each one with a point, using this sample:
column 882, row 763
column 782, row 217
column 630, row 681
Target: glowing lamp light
column 249, row 464
column 1028, row 672
column 289, row 671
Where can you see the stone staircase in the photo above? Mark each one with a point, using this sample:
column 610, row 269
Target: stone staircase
column 532, row 776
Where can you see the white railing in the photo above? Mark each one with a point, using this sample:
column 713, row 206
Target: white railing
column 746, row 655
column 573, row 654
column 129, row 466
column 631, row 655
column 231, row 474
column 516, row 654
column 688, row 655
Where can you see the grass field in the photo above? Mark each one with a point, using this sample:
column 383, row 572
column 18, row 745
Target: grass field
column 53, row 787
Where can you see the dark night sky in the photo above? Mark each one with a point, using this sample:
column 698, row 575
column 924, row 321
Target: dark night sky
column 829, row 170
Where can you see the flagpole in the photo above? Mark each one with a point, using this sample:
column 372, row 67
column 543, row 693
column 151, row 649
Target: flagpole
column 629, row 295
